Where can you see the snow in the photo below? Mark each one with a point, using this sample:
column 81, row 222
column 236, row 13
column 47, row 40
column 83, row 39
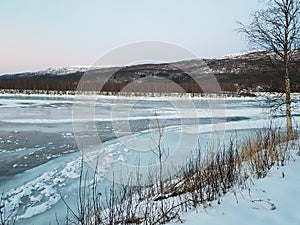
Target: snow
column 241, row 54
column 34, row 210
column 69, row 171
column 273, row 200
column 65, row 70
column 40, row 194
column 43, row 186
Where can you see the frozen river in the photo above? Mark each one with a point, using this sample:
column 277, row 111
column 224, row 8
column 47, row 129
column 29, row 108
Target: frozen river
column 42, row 138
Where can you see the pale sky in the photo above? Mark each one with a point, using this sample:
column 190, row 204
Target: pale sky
column 38, row 34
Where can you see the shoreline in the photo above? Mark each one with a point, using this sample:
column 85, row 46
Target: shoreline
column 137, row 95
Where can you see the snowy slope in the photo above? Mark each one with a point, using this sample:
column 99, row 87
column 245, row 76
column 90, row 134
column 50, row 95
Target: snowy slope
column 273, row 200
column 239, row 55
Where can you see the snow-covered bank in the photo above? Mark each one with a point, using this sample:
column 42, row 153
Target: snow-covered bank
column 273, row 200
column 105, row 94
column 70, row 93
column 137, row 95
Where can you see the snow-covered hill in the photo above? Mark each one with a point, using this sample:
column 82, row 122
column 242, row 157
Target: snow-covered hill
column 64, row 70
column 250, row 70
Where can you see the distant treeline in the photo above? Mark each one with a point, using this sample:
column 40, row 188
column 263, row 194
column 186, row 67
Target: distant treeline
column 72, row 82
column 228, row 83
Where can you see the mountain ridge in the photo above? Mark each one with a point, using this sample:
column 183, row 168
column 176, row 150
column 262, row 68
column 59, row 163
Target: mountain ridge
column 253, row 70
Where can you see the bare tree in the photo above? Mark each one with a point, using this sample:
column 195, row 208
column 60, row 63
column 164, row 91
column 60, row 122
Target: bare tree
column 160, row 151
column 276, row 28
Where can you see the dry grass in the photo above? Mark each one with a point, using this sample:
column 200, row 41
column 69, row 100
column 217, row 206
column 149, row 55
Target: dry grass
column 266, row 148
